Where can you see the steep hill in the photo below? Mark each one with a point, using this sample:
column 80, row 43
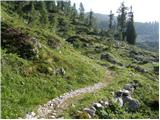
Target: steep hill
column 40, row 63
column 33, row 74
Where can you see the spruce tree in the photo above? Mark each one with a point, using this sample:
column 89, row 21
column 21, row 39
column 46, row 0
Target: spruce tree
column 73, row 12
column 111, row 20
column 90, row 18
column 44, row 14
column 121, row 20
column 67, row 7
column 130, row 32
column 60, row 5
column 81, row 9
column 33, row 14
column 50, row 5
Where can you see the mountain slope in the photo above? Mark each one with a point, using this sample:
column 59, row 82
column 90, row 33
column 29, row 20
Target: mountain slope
column 27, row 82
column 40, row 63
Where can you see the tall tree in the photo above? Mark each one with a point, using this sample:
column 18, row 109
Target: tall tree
column 60, row 5
column 51, row 6
column 73, row 12
column 90, row 18
column 130, row 32
column 121, row 20
column 67, row 7
column 34, row 17
column 111, row 15
column 81, row 9
column 44, row 13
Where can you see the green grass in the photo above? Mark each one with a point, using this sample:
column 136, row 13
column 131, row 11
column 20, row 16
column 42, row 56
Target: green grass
column 146, row 93
column 28, row 83
column 25, row 84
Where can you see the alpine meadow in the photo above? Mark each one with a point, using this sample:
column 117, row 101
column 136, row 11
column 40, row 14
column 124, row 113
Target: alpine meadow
column 60, row 62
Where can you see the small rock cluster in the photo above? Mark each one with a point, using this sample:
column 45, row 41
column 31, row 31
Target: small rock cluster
column 138, row 68
column 122, row 97
column 91, row 111
column 142, row 57
column 60, row 71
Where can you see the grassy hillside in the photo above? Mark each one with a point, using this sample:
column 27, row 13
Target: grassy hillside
column 39, row 63
column 127, row 63
column 28, row 83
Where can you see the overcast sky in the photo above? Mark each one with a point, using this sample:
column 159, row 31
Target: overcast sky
column 144, row 10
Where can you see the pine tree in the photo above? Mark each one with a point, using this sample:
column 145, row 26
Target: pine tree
column 121, row 20
column 111, row 20
column 60, row 5
column 33, row 14
column 130, row 32
column 50, row 5
column 67, row 7
column 90, row 18
column 73, row 12
column 44, row 14
column 81, row 9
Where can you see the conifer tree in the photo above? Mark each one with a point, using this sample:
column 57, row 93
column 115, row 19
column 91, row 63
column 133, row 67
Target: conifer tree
column 60, row 5
column 121, row 20
column 33, row 14
column 50, row 5
column 90, row 18
column 130, row 32
column 73, row 12
column 44, row 13
column 111, row 20
column 67, row 7
column 81, row 9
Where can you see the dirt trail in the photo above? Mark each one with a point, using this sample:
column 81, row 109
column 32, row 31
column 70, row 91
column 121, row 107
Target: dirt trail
column 56, row 105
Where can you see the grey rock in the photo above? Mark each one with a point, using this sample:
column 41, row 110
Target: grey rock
column 125, row 92
column 97, row 105
column 60, row 71
column 101, row 102
column 133, row 104
column 30, row 115
column 118, row 93
column 105, row 103
column 93, row 108
column 119, row 101
column 90, row 112
column 129, row 87
column 126, row 99
column 52, row 116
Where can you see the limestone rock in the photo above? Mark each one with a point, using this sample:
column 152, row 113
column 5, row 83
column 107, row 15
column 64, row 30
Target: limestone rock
column 129, row 87
column 60, row 71
column 90, row 111
column 97, row 105
column 133, row 104
column 119, row 101
column 93, row 108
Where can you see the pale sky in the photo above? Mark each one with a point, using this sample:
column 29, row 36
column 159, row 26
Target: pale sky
column 144, row 10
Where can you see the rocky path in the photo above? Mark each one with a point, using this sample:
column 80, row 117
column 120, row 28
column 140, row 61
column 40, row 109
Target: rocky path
column 56, row 105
